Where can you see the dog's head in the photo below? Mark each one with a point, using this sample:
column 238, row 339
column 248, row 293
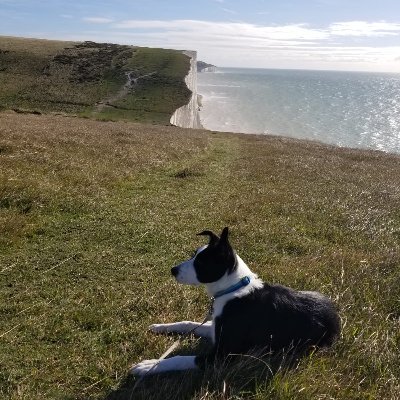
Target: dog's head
column 209, row 263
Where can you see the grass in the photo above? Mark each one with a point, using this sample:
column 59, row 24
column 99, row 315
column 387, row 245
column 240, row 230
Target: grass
column 93, row 215
column 162, row 90
column 73, row 78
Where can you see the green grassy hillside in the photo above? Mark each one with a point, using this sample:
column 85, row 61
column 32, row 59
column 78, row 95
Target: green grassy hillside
column 94, row 214
column 88, row 79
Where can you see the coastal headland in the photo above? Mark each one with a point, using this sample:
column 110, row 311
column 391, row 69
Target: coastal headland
column 95, row 80
column 94, row 211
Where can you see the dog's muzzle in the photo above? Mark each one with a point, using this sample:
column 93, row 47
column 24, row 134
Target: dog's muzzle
column 175, row 271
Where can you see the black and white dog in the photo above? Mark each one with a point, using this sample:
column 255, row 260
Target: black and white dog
column 247, row 313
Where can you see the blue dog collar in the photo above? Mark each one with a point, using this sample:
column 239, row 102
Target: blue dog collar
column 242, row 283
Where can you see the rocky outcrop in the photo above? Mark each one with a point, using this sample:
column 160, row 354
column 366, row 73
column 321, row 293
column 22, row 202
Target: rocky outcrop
column 188, row 116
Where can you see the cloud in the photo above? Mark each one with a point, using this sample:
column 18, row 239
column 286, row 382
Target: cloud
column 97, row 20
column 229, row 30
column 228, row 10
column 297, row 32
column 363, row 28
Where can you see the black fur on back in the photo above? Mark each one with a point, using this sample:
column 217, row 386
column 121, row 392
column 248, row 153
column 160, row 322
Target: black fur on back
column 274, row 318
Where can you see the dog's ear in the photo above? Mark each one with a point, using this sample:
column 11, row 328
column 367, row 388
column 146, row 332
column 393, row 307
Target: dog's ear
column 227, row 251
column 214, row 239
column 224, row 235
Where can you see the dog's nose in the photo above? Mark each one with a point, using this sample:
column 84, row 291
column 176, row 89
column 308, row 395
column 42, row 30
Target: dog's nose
column 174, row 271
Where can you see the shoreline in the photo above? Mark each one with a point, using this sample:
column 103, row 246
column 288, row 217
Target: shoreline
column 188, row 115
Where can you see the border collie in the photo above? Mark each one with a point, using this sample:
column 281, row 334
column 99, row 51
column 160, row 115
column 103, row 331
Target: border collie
column 246, row 313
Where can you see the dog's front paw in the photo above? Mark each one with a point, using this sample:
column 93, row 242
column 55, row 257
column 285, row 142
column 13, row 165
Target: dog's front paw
column 146, row 367
column 159, row 328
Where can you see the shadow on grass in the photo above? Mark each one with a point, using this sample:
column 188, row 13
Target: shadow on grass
column 187, row 173
column 239, row 376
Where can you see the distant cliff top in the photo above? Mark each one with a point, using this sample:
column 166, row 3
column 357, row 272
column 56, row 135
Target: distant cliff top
column 97, row 80
column 203, row 66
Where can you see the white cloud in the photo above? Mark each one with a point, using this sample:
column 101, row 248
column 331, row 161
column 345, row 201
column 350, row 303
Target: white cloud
column 362, row 28
column 229, row 30
column 97, row 20
column 228, row 10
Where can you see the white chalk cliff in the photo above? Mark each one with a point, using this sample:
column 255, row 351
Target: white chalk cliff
column 188, row 116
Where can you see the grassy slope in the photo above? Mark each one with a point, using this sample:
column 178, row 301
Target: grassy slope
column 94, row 214
column 53, row 76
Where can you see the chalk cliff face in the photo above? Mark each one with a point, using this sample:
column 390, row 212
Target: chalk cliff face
column 187, row 116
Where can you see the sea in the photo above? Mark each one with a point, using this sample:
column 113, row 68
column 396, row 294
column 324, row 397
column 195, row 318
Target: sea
column 349, row 109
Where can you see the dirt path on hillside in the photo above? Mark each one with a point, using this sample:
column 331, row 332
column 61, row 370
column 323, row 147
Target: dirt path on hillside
column 130, row 84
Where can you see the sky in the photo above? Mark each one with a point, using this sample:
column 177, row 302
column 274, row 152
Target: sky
column 359, row 35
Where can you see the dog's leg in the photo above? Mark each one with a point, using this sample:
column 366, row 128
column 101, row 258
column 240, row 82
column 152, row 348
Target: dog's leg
column 177, row 363
column 198, row 329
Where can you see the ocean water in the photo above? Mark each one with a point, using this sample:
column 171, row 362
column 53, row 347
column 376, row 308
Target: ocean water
column 351, row 109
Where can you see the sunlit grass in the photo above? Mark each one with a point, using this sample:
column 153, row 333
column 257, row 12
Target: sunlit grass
column 94, row 214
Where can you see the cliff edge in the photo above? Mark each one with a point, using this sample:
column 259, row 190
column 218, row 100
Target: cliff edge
column 188, row 116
